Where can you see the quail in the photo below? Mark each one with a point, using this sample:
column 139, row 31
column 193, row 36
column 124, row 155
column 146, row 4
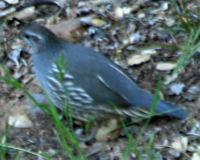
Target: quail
column 93, row 83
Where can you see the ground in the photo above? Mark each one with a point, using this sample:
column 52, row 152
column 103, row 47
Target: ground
column 119, row 31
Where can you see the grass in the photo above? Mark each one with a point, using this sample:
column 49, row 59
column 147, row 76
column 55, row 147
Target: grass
column 133, row 144
column 188, row 24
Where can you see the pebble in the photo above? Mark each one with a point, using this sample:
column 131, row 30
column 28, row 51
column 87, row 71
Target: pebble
column 195, row 156
column 119, row 12
column 194, row 89
column 12, row 1
column 2, row 5
column 180, row 144
column 177, row 88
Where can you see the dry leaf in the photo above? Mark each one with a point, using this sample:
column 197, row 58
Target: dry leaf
column 165, row 66
column 105, row 132
column 69, row 30
column 98, row 22
column 25, row 13
column 138, row 59
column 20, row 121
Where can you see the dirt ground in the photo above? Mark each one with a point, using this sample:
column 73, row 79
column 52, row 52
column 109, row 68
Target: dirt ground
column 119, row 31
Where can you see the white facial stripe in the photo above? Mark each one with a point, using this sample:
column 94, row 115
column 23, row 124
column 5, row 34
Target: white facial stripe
column 39, row 36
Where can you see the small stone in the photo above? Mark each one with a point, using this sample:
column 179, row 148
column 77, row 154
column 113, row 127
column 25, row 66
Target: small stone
column 135, row 37
column 177, row 88
column 194, row 89
column 98, row 22
column 127, row 10
column 165, row 66
column 12, row 1
column 119, row 12
column 164, row 6
column 180, row 144
column 20, row 121
column 195, row 156
column 141, row 15
column 51, row 151
column 170, row 21
column 2, row 5
column 125, row 41
column 138, row 59
column 81, row 4
column 133, row 155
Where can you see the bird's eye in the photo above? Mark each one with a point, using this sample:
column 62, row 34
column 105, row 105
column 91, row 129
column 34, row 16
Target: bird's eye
column 26, row 36
column 36, row 39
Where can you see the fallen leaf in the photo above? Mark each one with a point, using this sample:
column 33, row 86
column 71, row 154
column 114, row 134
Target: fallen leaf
column 165, row 66
column 25, row 13
column 105, row 132
column 138, row 59
column 148, row 51
column 20, row 121
column 98, row 22
column 69, row 30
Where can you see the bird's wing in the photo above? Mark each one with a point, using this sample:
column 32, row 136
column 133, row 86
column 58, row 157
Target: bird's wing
column 96, row 68
column 115, row 79
column 118, row 81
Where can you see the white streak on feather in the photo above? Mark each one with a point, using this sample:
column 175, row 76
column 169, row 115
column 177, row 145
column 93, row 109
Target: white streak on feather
column 118, row 70
column 56, row 82
column 102, row 80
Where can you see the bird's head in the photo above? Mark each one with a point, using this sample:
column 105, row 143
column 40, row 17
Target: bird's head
column 38, row 37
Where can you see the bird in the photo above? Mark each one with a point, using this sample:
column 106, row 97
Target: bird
column 87, row 81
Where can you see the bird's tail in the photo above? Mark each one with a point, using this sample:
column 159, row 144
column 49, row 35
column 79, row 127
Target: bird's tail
column 144, row 100
column 171, row 110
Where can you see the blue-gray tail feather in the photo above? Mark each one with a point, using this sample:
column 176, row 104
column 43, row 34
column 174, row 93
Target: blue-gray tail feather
column 144, row 100
column 171, row 110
